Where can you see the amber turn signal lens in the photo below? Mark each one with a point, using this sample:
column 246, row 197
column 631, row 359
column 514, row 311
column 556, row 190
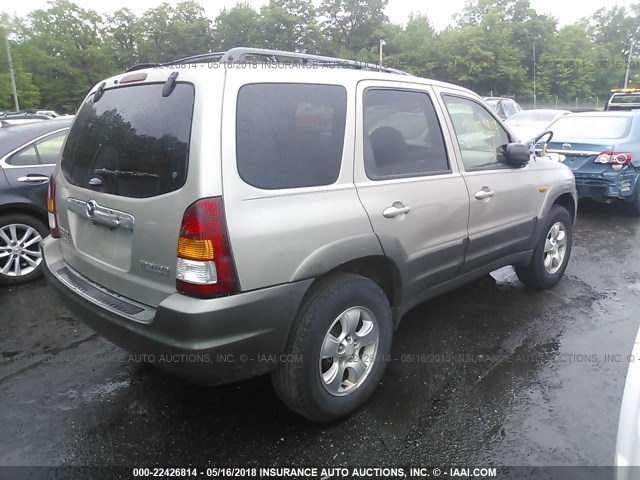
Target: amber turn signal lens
column 195, row 249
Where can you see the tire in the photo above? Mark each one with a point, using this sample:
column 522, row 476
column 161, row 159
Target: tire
column 537, row 274
column 331, row 310
column 13, row 228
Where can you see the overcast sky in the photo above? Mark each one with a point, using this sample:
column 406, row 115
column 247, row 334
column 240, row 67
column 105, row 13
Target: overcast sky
column 438, row 11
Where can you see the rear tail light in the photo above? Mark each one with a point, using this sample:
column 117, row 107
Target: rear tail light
column 615, row 159
column 205, row 265
column 51, row 208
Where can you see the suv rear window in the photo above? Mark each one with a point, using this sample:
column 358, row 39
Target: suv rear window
column 132, row 142
column 290, row 135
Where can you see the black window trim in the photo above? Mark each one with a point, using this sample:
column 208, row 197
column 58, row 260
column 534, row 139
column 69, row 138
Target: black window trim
column 344, row 139
column 504, row 166
column 379, row 178
column 4, row 161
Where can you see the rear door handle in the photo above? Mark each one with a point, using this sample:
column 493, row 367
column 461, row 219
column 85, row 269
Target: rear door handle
column 482, row 194
column 34, row 178
column 396, row 209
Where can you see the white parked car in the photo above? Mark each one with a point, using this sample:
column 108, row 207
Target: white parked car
column 528, row 124
column 628, row 442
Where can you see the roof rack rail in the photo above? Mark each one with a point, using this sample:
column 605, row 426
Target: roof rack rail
column 239, row 54
column 193, row 58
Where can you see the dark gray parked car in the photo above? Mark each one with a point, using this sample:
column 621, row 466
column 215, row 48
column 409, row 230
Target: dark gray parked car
column 28, row 154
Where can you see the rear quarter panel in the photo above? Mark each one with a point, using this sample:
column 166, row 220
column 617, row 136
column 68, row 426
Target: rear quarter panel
column 283, row 235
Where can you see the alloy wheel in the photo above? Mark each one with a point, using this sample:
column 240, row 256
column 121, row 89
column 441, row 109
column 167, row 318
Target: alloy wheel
column 348, row 351
column 555, row 248
column 19, row 250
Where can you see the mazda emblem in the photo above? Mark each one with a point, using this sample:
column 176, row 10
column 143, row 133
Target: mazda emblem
column 566, row 146
column 91, row 208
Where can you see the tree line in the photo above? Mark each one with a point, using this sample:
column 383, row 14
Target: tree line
column 62, row 51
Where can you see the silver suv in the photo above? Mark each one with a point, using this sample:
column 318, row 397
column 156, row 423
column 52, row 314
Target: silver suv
column 236, row 214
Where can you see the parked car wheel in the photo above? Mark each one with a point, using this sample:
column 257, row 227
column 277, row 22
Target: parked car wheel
column 20, row 255
column 340, row 343
column 551, row 253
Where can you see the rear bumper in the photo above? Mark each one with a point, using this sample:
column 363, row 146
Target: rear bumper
column 207, row 341
column 622, row 184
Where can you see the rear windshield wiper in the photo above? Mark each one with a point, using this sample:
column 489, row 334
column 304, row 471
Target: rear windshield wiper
column 124, row 173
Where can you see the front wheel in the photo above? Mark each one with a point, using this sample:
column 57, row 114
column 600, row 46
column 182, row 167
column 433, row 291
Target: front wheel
column 20, row 256
column 340, row 343
column 551, row 253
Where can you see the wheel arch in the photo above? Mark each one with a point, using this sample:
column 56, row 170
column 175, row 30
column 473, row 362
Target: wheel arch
column 380, row 269
column 567, row 201
column 25, row 209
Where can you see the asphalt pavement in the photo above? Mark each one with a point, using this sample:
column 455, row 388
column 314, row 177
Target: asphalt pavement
column 492, row 373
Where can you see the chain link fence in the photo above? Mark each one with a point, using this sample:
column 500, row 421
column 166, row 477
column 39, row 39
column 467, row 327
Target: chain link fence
column 577, row 104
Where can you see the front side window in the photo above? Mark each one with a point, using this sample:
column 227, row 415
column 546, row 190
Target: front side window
column 481, row 139
column 402, row 135
column 290, row 135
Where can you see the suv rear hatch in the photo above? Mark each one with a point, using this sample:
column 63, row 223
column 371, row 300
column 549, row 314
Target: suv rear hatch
column 121, row 192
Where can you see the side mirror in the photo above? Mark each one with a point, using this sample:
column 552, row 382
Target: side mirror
column 517, row 154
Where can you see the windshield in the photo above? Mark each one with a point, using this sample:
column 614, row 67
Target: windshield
column 133, row 142
column 607, row 127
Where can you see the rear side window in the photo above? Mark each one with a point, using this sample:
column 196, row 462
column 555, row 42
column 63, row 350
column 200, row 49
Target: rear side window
column 290, row 135
column 133, row 142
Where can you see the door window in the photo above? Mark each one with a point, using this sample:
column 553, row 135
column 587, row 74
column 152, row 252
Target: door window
column 481, row 139
column 402, row 135
column 43, row 152
column 49, row 148
column 24, row 158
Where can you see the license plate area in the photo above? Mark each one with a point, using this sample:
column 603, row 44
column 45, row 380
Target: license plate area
column 106, row 244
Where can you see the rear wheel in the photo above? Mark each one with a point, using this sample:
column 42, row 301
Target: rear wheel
column 20, row 256
column 340, row 343
column 551, row 253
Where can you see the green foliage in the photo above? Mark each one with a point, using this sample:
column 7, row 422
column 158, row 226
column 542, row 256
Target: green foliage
column 237, row 27
column 570, row 64
column 28, row 92
column 353, row 25
column 62, row 51
column 290, row 25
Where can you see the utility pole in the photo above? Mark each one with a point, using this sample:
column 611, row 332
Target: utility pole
column 534, row 76
column 626, row 76
column 13, row 77
column 382, row 42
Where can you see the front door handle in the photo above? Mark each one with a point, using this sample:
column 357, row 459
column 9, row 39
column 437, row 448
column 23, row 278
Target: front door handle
column 484, row 193
column 34, row 178
column 396, row 209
